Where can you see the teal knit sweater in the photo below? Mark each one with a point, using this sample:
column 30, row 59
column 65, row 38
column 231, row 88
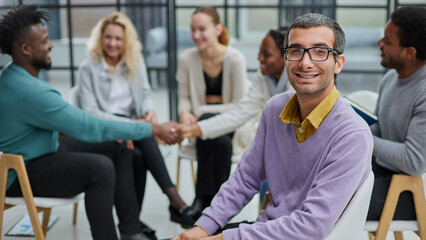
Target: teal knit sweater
column 32, row 114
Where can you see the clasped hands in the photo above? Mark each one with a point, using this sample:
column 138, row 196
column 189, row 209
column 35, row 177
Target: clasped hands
column 173, row 132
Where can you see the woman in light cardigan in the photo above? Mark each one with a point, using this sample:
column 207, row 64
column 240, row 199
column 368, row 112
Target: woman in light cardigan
column 211, row 78
column 113, row 84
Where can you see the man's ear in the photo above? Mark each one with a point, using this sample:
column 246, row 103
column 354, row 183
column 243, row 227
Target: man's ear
column 410, row 52
column 340, row 61
column 25, row 49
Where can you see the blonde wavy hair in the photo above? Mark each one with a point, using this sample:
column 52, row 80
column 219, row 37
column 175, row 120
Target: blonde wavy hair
column 132, row 46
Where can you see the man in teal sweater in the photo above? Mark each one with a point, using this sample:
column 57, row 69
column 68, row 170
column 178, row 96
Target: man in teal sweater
column 32, row 115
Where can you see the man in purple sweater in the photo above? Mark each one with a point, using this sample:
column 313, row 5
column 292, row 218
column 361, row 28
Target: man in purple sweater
column 313, row 149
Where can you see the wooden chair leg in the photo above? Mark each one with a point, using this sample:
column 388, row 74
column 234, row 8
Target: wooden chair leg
column 3, row 182
column 17, row 162
column 371, row 235
column 395, row 189
column 46, row 218
column 194, row 174
column 420, row 206
column 398, row 235
column 74, row 219
column 178, row 174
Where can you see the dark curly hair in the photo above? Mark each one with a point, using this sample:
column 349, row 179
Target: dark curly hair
column 17, row 22
column 411, row 22
column 279, row 36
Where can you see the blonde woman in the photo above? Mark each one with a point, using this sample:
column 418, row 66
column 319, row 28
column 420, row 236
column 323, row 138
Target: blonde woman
column 113, row 84
column 212, row 78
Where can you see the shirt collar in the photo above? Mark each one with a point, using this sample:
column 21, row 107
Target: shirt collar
column 118, row 67
column 315, row 118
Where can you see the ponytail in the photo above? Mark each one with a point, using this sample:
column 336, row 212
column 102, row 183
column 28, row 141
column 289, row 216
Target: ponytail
column 224, row 37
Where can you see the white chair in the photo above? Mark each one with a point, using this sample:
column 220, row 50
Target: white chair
column 33, row 204
column 400, row 183
column 189, row 153
column 350, row 225
column 365, row 98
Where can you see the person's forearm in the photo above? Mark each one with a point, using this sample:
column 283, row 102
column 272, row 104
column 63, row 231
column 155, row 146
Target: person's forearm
column 195, row 130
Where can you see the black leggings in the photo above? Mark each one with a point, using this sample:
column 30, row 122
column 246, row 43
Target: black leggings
column 147, row 156
column 405, row 206
column 103, row 171
column 214, row 163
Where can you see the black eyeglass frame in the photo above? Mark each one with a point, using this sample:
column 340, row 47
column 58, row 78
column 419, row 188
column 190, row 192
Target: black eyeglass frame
column 310, row 56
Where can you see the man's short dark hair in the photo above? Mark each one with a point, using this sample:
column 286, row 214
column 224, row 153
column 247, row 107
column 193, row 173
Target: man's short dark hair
column 316, row 20
column 17, row 22
column 411, row 22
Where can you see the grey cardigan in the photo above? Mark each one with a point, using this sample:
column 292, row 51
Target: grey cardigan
column 95, row 86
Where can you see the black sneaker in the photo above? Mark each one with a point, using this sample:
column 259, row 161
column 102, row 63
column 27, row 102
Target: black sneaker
column 186, row 218
column 136, row 236
column 149, row 232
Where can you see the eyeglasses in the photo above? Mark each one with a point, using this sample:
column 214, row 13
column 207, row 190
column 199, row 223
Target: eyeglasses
column 317, row 54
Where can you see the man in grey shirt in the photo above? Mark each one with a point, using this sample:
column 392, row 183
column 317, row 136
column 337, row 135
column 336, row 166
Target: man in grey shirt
column 400, row 134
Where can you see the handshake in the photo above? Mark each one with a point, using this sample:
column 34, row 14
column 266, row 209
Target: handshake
column 172, row 132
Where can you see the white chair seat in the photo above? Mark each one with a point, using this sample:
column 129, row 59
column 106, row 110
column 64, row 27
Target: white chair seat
column 395, row 226
column 365, row 98
column 45, row 202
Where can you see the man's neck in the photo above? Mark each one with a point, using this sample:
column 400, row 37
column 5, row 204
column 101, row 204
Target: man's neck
column 307, row 103
column 410, row 68
column 29, row 67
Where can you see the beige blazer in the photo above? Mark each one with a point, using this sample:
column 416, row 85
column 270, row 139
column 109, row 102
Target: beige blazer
column 192, row 87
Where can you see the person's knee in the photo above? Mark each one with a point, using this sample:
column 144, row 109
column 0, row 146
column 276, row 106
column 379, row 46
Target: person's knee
column 224, row 143
column 103, row 169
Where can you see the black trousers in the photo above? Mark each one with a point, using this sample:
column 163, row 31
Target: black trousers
column 103, row 171
column 147, row 156
column 405, row 207
column 214, row 163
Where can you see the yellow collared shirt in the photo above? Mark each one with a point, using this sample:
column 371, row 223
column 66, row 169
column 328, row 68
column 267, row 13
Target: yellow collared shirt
column 291, row 115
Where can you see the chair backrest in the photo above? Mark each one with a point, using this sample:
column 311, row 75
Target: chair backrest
column 350, row 225
column 365, row 98
column 73, row 96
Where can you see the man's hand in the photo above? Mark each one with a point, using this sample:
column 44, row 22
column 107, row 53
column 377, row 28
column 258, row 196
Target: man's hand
column 151, row 117
column 188, row 131
column 194, row 233
column 215, row 237
column 167, row 132
column 187, row 118
column 129, row 145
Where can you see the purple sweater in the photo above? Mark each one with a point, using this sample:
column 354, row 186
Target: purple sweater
column 310, row 183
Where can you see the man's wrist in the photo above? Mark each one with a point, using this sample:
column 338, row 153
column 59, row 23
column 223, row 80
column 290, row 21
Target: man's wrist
column 196, row 130
column 154, row 129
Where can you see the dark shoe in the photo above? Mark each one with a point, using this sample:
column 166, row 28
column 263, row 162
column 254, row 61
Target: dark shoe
column 136, row 236
column 149, row 232
column 199, row 204
column 186, row 218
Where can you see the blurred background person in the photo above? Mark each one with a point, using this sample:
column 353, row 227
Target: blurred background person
column 211, row 79
column 113, row 85
column 270, row 80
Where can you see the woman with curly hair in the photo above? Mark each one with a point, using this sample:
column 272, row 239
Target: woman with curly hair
column 113, row 84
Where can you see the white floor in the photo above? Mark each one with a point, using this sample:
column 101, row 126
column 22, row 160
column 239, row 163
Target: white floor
column 155, row 206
